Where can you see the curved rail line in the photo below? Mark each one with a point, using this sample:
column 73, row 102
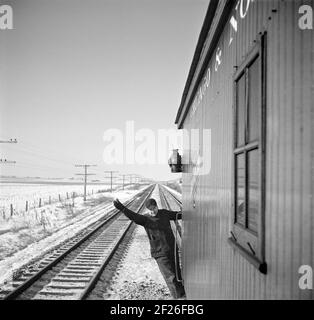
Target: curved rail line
column 81, row 273
column 175, row 225
column 179, row 202
column 43, row 263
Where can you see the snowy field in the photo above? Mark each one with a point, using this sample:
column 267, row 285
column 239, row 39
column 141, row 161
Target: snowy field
column 18, row 193
column 19, row 227
column 26, row 235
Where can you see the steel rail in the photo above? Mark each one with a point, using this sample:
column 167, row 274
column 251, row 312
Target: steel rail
column 28, row 283
column 95, row 278
column 165, row 200
column 174, row 196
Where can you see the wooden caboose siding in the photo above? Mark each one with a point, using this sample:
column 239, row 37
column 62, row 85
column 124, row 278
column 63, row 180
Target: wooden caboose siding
column 213, row 269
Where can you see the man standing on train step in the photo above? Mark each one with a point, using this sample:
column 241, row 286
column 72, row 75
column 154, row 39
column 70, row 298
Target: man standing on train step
column 162, row 242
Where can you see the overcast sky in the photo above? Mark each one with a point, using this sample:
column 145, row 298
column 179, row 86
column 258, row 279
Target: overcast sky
column 72, row 69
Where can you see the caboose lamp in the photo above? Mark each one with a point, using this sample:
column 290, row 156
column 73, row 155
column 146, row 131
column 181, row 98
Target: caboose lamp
column 175, row 162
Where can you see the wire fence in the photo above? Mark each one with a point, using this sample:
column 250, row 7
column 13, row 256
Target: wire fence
column 10, row 210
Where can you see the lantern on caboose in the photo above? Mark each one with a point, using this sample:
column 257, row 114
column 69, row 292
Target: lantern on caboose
column 175, row 161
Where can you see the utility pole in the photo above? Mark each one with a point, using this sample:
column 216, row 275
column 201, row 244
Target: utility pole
column 130, row 176
column 85, row 174
column 123, row 179
column 140, row 179
column 126, row 176
column 111, row 177
column 5, row 161
column 123, row 176
column 135, row 178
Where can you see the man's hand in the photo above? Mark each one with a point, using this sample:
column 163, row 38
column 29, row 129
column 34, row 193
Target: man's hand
column 118, row 204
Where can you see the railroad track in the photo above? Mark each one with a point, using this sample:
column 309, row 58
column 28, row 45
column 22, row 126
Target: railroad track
column 165, row 190
column 164, row 197
column 39, row 264
column 50, row 258
column 165, row 194
column 74, row 269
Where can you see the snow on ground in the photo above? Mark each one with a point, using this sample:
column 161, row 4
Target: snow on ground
column 18, row 193
column 30, row 235
column 139, row 277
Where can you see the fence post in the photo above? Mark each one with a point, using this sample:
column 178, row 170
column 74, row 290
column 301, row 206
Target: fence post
column 59, row 198
column 67, row 195
column 49, row 199
column 39, row 202
column 11, row 209
column 26, row 206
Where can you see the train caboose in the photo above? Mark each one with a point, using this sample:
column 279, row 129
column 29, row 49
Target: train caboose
column 248, row 175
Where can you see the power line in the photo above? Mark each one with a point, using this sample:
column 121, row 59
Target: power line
column 63, row 165
column 37, row 154
column 47, row 151
column 35, row 151
column 42, row 167
column 5, row 161
column 85, row 174
column 8, row 141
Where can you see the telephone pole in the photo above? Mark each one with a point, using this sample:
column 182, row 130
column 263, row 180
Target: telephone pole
column 123, row 180
column 124, row 177
column 85, row 174
column 111, row 177
column 135, row 176
column 5, row 161
column 130, row 176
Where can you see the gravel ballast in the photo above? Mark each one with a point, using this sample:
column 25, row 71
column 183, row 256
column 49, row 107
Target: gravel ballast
column 138, row 276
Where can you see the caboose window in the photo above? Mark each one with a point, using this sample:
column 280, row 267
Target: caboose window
column 248, row 102
column 249, row 153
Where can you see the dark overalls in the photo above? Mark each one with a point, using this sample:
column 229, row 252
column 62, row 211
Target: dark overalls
column 162, row 244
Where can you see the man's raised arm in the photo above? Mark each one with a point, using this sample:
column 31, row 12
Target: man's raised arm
column 137, row 218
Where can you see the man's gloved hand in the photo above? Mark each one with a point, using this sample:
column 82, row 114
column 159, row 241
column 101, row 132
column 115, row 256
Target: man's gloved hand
column 118, row 204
